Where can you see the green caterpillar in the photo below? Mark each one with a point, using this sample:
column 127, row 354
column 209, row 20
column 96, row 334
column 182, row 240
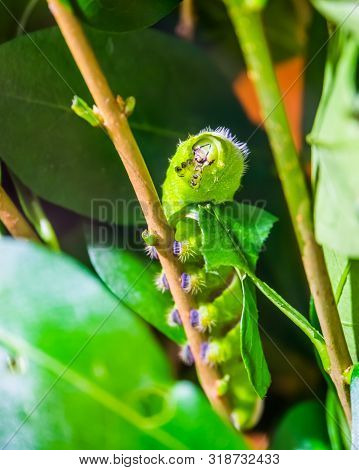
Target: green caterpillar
column 208, row 167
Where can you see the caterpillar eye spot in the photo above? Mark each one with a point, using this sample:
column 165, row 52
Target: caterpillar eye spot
column 183, row 164
column 178, row 169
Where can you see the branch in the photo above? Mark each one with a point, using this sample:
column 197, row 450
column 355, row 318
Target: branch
column 13, row 220
column 250, row 33
column 187, row 20
column 116, row 124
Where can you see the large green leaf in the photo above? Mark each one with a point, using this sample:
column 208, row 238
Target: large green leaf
column 225, row 228
column 345, row 13
column 335, row 143
column 122, row 15
column 120, row 268
column 302, row 428
column 78, row 370
column 197, row 424
column 64, row 160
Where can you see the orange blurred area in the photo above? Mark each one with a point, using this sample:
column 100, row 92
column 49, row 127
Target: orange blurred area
column 257, row 440
column 291, row 83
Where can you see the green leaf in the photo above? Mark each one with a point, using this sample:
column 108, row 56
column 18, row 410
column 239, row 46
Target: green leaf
column 76, row 359
column 76, row 166
column 251, row 345
column 338, row 430
column 249, row 226
column 335, row 142
column 223, row 245
column 302, row 428
column 345, row 13
column 354, row 399
column 197, row 422
column 122, row 15
column 344, row 276
column 119, row 269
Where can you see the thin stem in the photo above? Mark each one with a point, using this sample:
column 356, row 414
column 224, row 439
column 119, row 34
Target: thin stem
column 116, row 124
column 25, row 16
column 249, row 29
column 296, row 317
column 187, row 20
column 342, row 281
column 13, row 220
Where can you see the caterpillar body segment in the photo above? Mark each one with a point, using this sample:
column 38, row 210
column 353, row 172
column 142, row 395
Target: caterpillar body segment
column 223, row 310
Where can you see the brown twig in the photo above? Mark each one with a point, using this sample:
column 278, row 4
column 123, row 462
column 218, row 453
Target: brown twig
column 116, row 124
column 187, row 20
column 249, row 29
column 13, row 220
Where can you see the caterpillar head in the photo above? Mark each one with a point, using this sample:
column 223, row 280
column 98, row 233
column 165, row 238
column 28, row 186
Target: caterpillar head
column 206, row 167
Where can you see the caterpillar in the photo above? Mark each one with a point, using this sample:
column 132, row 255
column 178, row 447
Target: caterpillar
column 208, row 167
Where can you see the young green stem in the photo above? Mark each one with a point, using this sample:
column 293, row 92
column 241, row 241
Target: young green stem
column 32, row 208
column 296, row 317
column 116, row 124
column 249, row 29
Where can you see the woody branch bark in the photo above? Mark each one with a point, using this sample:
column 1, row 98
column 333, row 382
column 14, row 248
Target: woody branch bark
column 116, row 124
column 13, row 220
